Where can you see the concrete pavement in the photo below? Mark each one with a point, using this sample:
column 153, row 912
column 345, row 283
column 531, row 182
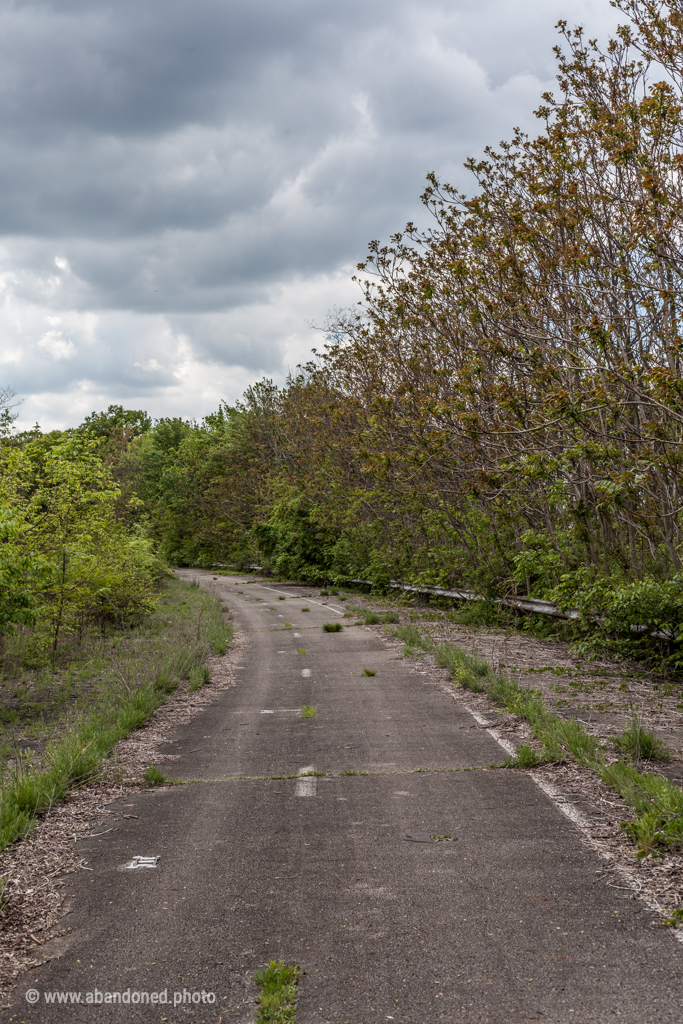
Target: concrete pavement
column 511, row 920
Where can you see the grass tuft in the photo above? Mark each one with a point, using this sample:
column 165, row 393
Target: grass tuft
column 305, row 609
column 413, row 639
column 640, row 744
column 199, row 676
column 153, row 777
column 468, row 671
column 332, row 627
column 368, row 672
column 307, row 711
column 278, row 992
column 373, row 619
column 301, row 650
column 525, row 756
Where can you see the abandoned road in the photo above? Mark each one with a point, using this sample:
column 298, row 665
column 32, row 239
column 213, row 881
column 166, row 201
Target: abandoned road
column 510, row 920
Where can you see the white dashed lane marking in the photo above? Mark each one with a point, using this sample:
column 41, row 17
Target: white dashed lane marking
column 306, row 785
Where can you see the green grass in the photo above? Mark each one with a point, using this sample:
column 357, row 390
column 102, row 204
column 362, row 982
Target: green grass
column 525, row 756
column 114, row 684
column 415, row 642
column 281, row 598
column 368, row 672
column 153, row 777
column 199, row 676
column 372, row 618
column 468, row 671
column 301, row 650
column 640, row 744
column 305, row 609
column 675, row 918
column 277, row 997
column 658, row 803
column 332, row 627
column 307, row 711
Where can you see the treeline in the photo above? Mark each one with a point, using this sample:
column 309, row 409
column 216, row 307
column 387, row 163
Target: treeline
column 68, row 558
column 504, row 408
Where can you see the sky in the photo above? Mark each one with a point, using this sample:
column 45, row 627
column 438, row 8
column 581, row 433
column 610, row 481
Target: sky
column 186, row 186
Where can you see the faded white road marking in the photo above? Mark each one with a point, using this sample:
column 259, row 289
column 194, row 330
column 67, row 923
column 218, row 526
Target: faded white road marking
column 142, row 862
column 508, row 747
column 306, row 785
column 576, row 818
column 339, row 611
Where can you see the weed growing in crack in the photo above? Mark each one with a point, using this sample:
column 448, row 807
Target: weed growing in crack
column 153, row 777
column 277, row 985
column 301, row 650
column 307, row 711
column 332, row 627
column 368, row 672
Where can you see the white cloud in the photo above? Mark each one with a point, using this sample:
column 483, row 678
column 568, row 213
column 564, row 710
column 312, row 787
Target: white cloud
column 56, row 345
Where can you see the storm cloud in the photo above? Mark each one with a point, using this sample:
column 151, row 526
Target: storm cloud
column 183, row 187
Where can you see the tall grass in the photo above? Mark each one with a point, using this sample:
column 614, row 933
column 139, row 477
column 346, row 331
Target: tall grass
column 135, row 679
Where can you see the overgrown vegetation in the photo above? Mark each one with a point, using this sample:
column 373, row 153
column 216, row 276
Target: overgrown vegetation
column 66, row 718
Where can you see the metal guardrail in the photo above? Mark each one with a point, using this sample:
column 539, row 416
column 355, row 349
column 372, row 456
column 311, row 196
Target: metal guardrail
column 522, row 604
column 528, row 605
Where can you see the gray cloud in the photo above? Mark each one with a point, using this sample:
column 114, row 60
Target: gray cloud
column 182, row 186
